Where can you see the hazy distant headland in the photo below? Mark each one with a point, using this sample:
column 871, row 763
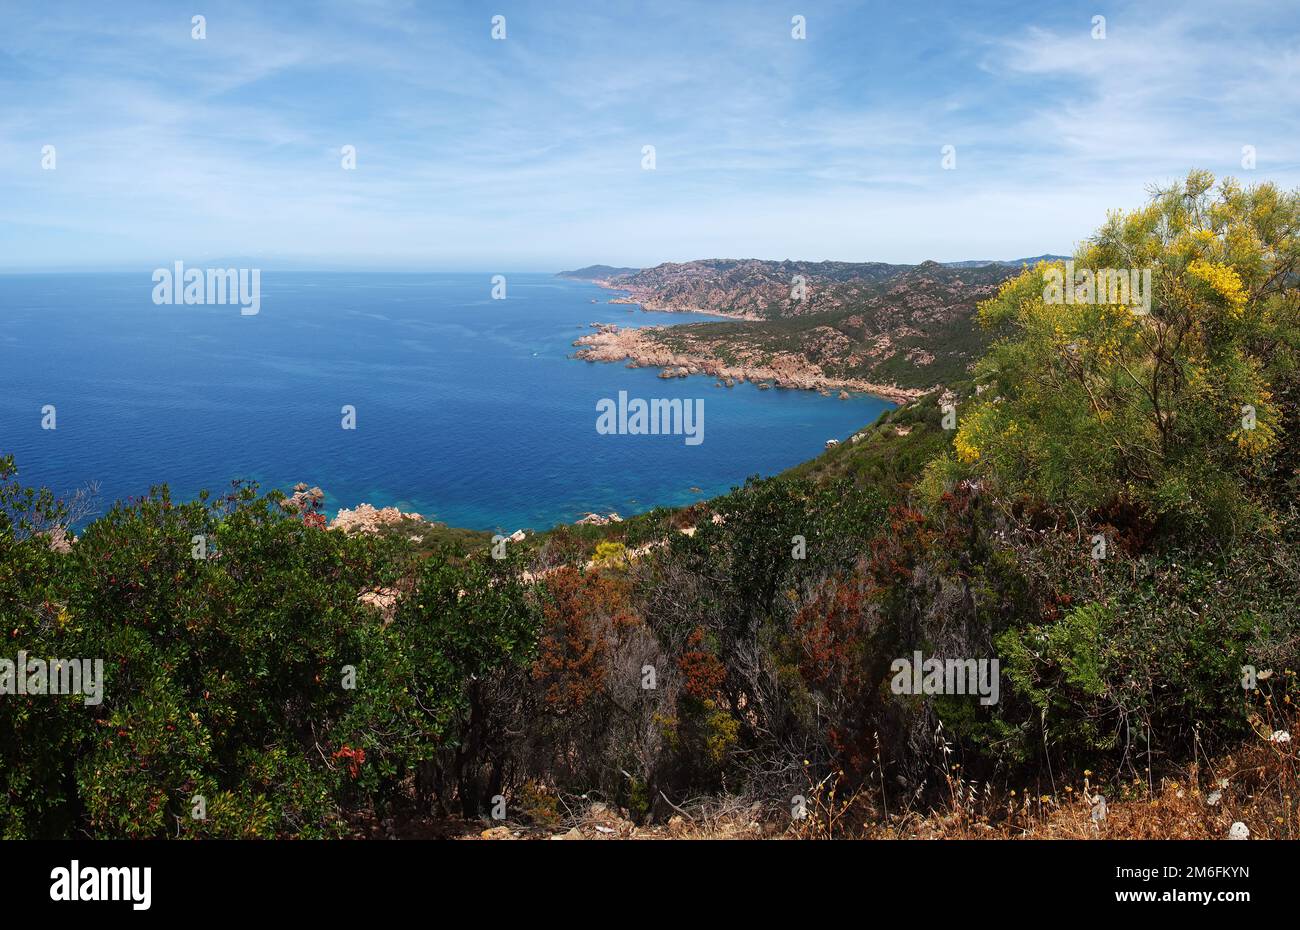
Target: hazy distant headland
column 597, row 273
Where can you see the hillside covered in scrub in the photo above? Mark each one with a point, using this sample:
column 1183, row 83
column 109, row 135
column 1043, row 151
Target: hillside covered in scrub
column 1105, row 503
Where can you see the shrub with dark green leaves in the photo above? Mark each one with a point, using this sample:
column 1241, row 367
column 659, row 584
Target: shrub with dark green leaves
column 224, row 664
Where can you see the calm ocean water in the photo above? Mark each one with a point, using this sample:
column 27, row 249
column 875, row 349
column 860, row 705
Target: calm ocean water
column 468, row 409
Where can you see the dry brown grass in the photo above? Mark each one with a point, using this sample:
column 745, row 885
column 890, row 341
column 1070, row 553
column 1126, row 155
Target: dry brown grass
column 1257, row 785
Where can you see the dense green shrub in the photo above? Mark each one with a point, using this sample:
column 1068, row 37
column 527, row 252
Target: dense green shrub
column 250, row 680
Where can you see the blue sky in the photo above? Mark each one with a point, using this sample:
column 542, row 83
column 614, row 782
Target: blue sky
column 526, row 154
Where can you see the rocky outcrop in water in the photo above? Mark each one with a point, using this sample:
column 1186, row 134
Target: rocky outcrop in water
column 368, row 519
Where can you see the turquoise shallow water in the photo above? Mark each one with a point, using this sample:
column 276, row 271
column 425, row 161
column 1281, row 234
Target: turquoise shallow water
column 468, row 409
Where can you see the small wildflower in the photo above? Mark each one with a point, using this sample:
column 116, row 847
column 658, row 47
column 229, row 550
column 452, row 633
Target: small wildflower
column 1280, row 736
column 1239, row 831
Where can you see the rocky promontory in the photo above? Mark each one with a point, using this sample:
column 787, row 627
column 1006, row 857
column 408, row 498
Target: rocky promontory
column 639, row 348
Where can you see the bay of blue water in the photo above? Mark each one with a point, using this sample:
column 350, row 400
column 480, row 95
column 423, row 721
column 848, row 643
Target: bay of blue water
column 468, row 409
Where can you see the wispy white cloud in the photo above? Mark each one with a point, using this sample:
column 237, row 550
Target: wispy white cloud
column 526, row 153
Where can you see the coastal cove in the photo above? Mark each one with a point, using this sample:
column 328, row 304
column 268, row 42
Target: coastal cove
column 469, row 410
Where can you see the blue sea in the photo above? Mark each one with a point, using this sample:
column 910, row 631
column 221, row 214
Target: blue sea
column 469, row 410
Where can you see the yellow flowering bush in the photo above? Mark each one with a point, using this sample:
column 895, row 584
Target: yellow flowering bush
column 1167, row 402
column 1223, row 281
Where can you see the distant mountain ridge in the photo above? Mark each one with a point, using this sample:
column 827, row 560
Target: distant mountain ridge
column 1015, row 262
column 750, row 288
column 758, row 289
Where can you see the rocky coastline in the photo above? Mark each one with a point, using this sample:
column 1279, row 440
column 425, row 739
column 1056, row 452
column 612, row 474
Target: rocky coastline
column 644, row 299
column 649, row 298
column 637, row 347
